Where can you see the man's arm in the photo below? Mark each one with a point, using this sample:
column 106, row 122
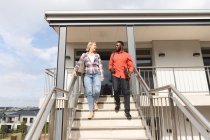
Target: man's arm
column 130, row 64
column 110, row 66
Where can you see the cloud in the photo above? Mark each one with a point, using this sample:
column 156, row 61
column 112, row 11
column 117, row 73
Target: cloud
column 25, row 53
column 46, row 54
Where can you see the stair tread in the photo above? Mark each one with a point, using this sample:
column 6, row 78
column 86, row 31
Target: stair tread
column 116, row 134
column 120, row 118
column 111, row 139
column 103, row 110
column 104, row 99
column 99, row 128
column 107, row 124
column 108, row 102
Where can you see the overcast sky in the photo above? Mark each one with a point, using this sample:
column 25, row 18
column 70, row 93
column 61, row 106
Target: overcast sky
column 28, row 45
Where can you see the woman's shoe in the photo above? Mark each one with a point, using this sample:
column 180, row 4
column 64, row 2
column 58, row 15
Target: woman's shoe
column 95, row 105
column 91, row 115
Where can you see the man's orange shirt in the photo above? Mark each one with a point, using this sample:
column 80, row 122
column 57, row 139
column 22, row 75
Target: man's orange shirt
column 119, row 60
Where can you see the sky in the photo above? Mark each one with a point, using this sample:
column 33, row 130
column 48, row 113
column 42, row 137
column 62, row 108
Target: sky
column 28, row 45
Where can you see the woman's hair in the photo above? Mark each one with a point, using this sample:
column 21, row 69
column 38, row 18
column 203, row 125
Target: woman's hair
column 89, row 45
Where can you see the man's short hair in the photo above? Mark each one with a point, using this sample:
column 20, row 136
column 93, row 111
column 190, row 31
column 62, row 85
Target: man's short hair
column 121, row 42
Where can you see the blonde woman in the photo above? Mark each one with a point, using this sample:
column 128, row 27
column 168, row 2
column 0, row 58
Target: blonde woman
column 92, row 77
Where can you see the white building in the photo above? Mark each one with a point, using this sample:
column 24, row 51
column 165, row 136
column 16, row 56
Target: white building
column 169, row 47
column 13, row 119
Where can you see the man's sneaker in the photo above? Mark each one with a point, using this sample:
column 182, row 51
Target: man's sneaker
column 128, row 116
column 117, row 108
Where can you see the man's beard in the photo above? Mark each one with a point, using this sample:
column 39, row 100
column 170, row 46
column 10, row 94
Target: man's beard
column 119, row 49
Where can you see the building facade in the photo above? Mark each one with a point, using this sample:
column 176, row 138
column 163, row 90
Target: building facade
column 13, row 118
column 168, row 47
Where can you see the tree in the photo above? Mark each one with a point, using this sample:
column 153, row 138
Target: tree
column 4, row 130
column 23, row 128
column 45, row 128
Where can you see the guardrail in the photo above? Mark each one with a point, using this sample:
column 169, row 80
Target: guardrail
column 193, row 80
column 46, row 118
column 171, row 116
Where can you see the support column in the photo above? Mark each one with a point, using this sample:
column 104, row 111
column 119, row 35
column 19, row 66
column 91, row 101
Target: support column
column 60, row 79
column 131, row 43
column 132, row 51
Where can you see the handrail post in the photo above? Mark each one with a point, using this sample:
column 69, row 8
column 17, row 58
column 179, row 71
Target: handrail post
column 208, row 76
column 152, row 118
column 174, row 78
column 51, row 131
column 173, row 119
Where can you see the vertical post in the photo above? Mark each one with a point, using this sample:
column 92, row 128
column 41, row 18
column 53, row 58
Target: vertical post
column 208, row 77
column 174, row 78
column 131, row 43
column 51, row 131
column 173, row 119
column 60, row 78
column 152, row 117
column 132, row 52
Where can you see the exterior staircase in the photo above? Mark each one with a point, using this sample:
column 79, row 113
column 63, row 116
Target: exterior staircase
column 107, row 124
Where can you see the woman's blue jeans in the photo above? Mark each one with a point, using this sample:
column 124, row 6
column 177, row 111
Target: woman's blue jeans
column 92, row 83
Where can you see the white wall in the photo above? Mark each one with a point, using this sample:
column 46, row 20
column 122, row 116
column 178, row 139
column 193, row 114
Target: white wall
column 179, row 53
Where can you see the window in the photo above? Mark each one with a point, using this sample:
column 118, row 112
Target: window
column 24, row 119
column 144, row 57
column 144, row 62
column 31, row 120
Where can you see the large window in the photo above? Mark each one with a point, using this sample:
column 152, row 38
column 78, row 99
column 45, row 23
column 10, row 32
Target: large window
column 144, row 62
column 144, row 57
column 206, row 62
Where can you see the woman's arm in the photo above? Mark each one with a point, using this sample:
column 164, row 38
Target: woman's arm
column 101, row 68
column 79, row 62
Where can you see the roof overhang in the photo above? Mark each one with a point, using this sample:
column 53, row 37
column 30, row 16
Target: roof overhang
column 128, row 17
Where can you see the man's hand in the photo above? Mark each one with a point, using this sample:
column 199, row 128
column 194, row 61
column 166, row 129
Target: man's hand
column 112, row 70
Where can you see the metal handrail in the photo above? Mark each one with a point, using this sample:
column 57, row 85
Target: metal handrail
column 194, row 113
column 190, row 80
column 34, row 133
column 174, row 67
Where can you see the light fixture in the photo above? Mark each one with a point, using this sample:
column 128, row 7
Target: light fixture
column 196, row 54
column 68, row 57
column 161, row 54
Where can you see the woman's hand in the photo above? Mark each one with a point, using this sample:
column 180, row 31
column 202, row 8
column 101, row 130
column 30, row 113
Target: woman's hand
column 74, row 73
column 102, row 78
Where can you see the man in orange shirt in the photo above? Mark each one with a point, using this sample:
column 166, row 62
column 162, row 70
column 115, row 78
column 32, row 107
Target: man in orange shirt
column 119, row 61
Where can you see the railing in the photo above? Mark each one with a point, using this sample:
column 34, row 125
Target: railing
column 193, row 80
column 50, row 78
column 45, row 122
column 169, row 117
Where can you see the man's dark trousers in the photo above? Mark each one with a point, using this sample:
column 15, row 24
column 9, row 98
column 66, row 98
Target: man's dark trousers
column 118, row 85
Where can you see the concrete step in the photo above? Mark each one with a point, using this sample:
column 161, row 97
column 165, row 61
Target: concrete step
column 108, row 123
column 109, row 139
column 83, row 99
column 108, row 114
column 104, row 105
column 110, row 134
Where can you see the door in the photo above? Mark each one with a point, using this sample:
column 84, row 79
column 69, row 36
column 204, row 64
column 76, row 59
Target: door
column 106, row 85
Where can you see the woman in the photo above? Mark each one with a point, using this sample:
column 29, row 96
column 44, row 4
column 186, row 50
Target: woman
column 92, row 77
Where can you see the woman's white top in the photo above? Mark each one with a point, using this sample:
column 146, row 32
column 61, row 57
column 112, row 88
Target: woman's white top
column 91, row 58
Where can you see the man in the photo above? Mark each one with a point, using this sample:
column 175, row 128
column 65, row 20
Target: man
column 119, row 61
